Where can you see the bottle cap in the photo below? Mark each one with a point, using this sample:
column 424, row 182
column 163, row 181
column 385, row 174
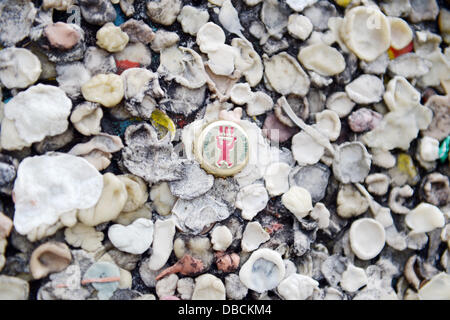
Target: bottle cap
column 222, row 148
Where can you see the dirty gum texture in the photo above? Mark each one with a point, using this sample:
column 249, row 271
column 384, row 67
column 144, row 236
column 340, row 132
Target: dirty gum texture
column 345, row 106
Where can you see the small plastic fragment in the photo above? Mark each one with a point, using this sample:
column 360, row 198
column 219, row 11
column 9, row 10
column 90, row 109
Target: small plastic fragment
column 393, row 53
column 120, row 17
column 343, row 3
column 444, row 149
column 123, row 65
column 163, row 123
